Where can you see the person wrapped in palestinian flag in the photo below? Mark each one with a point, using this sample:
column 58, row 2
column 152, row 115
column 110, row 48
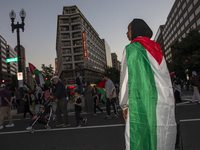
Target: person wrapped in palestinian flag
column 146, row 95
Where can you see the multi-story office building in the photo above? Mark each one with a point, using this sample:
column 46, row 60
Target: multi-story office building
column 23, row 62
column 115, row 62
column 159, row 37
column 12, row 66
column 3, row 65
column 108, row 54
column 79, row 47
column 184, row 16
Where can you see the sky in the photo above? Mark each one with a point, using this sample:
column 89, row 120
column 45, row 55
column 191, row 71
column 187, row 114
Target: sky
column 110, row 18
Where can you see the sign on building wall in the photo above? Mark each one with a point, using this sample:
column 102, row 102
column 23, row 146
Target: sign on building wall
column 84, row 45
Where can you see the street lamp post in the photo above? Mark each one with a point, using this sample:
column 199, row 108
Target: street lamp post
column 18, row 26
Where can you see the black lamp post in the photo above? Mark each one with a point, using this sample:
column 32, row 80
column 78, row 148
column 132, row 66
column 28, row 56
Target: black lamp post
column 18, row 26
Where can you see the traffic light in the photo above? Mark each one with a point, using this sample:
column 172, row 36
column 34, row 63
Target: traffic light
column 186, row 60
column 2, row 80
column 46, row 79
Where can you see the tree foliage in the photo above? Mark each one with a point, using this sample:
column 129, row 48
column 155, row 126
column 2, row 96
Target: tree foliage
column 114, row 74
column 47, row 71
column 186, row 53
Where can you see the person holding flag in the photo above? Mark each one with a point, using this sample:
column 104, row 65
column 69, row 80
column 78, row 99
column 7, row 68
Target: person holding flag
column 146, row 94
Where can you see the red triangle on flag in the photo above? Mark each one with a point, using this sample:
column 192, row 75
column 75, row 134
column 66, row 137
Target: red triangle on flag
column 101, row 84
column 31, row 67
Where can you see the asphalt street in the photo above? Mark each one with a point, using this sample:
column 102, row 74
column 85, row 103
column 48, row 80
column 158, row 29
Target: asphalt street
column 97, row 134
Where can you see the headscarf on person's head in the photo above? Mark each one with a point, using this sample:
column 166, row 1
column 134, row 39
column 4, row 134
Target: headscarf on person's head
column 194, row 73
column 140, row 28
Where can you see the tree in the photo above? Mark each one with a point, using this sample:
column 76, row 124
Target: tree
column 48, row 72
column 186, row 53
column 114, row 74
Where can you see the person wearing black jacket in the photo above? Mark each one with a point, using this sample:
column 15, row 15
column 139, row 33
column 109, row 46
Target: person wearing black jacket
column 61, row 95
column 26, row 104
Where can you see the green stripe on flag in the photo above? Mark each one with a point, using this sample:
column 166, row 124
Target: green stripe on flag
column 103, row 93
column 142, row 99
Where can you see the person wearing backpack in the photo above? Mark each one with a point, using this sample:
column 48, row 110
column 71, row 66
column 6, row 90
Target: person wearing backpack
column 26, row 100
column 79, row 83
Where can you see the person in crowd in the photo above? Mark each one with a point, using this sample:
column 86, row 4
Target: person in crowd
column 38, row 101
column 146, row 95
column 88, row 98
column 17, row 96
column 6, row 103
column 177, row 88
column 95, row 100
column 26, row 100
column 78, row 108
column 110, row 97
column 196, row 87
column 33, row 98
column 60, row 93
column 79, row 82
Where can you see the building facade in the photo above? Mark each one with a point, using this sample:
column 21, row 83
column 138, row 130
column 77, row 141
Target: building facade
column 108, row 54
column 115, row 63
column 3, row 65
column 23, row 62
column 12, row 66
column 7, row 70
column 79, row 48
column 184, row 16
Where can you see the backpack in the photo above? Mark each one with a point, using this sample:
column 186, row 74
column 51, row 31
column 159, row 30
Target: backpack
column 78, row 80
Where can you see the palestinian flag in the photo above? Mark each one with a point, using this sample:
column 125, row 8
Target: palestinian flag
column 146, row 91
column 101, row 88
column 35, row 71
column 171, row 74
column 25, row 86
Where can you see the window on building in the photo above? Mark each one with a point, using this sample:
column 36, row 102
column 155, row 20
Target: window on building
column 195, row 1
column 182, row 28
column 193, row 26
column 180, row 11
column 185, row 14
column 65, row 21
column 191, row 17
column 178, row 4
column 190, row 8
column 198, row 22
column 183, row 7
column 197, row 10
column 79, row 57
column 64, row 28
column 181, row 19
column 187, row 1
column 177, row 24
column 66, row 36
column 67, row 43
column 186, row 23
column 68, row 58
column 68, row 66
column 67, row 51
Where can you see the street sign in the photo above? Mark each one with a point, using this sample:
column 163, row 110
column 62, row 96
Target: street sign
column 11, row 60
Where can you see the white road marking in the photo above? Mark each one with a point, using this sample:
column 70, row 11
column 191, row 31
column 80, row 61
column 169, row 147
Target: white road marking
column 61, row 129
column 188, row 120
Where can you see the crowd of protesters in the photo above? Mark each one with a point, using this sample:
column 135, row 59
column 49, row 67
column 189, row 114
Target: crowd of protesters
column 33, row 101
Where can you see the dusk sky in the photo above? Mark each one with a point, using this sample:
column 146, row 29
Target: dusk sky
column 109, row 18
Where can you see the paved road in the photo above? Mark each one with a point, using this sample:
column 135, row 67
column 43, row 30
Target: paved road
column 97, row 134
